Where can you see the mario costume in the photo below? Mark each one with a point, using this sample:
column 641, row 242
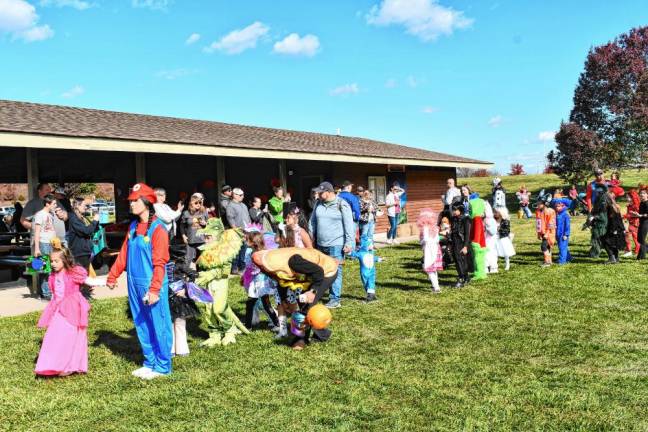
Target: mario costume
column 144, row 255
column 563, row 229
column 367, row 259
column 478, row 236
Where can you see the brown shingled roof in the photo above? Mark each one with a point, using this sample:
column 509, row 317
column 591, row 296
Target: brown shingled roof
column 25, row 117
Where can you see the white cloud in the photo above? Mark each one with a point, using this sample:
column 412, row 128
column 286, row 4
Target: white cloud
column 36, row 34
column 391, row 83
column 495, row 121
column 426, row 19
column 76, row 4
column 75, row 91
column 172, row 74
column 19, row 18
column 240, row 40
column 295, row 45
column 546, row 136
column 345, row 89
column 193, row 38
column 429, row 110
column 152, row 4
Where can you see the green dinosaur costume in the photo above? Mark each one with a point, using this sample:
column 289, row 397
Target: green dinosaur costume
column 214, row 264
column 478, row 237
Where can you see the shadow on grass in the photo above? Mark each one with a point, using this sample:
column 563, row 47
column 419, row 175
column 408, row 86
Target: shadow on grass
column 127, row 347
column 194, row 329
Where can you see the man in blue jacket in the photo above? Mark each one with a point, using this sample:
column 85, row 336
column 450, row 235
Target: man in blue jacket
column 332, row 226
column 348, row 196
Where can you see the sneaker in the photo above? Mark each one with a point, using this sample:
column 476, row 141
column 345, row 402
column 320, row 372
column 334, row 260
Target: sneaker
column 333, row 304
column 628, row 254
column 371, row 297
column 436, row 290
column 460, row 283
column 151, row 375
column 141, row 371
column 282, row 332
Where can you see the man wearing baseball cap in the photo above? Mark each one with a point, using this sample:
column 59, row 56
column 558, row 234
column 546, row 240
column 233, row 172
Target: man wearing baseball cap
column 332, row 226
column 223, row 202
column 144, row 255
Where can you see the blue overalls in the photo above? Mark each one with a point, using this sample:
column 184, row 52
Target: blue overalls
column 367, row 260
column 563, row 229
column 152, row 323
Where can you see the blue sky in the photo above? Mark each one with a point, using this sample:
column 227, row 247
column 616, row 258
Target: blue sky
column 489, row 79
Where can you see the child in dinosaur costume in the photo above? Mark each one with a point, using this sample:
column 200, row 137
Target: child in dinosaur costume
column 478, row 237
column 215, row 262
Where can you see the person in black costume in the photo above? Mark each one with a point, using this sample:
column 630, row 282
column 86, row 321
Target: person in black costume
column 180, row 305
column 614, row 238
column 643, row 223
column 460, row 242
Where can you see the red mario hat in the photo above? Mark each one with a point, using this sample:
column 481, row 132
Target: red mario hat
column 141, row 190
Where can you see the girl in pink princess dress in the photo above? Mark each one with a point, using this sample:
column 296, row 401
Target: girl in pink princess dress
column 427, row 223
column 65, row 346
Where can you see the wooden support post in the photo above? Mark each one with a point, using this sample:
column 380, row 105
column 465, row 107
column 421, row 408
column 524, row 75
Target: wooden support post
column 220, row 173
column 140, row 168
column 283, row 175
column 32, row 172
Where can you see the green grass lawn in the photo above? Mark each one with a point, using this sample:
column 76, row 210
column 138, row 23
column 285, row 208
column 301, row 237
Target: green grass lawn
column 564, row 348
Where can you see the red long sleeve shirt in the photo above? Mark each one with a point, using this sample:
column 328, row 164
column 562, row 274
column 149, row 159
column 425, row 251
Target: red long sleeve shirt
column 160, row 256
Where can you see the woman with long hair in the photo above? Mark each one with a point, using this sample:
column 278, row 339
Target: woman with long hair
column 80, row 232
column 144, row 256
column 614, row 237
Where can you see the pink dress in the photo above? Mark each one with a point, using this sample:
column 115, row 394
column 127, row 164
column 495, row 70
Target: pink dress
column 65, row 345
column 432, row 254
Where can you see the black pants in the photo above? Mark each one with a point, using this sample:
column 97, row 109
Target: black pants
column 461, row 261
column 249, row 310
column 83, row 261
column 641, row 237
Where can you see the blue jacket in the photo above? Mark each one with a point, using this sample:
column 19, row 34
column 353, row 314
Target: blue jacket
column 332, row 224
column 353, row 201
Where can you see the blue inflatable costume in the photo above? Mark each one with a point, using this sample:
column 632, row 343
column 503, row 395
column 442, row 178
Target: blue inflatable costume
column 367, row 259
column 563, row 228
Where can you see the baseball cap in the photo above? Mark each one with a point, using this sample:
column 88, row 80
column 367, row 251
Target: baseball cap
column 360, row 189
column 226, row 188
column 237, row 191
column 59, row 191
column 346, row 183
column 598, row 171
column 324, row 187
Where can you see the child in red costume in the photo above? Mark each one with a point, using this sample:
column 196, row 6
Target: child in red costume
column 633, row 224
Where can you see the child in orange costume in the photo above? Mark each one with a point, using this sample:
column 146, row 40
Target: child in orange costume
column 546, row 227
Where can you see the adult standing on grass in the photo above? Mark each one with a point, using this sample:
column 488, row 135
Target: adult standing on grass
column 523, row 197
column 598, row 220
column 499, row 194
column 166, row 214
column 223, row 202
column 238, row 216
column 593, row 189
column 276, row 205
column 144, row 255
column 642, row 214
column 392, row 202
column 448, row 197
column 333, row 230
column 80, row 233
column 368, row 212
column 348, row 196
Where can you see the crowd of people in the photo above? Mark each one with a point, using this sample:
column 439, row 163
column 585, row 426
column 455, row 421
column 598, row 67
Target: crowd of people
column 288, row 257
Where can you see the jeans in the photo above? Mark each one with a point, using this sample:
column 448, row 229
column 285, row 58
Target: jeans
column 367, row 230
column 45, row 249
column 238, row 265
column 527, row 211
column 393, row 224
column 335, row 293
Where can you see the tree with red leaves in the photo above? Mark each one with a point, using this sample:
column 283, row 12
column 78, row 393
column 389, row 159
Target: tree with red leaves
column 517, row 169
column 608, row 125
